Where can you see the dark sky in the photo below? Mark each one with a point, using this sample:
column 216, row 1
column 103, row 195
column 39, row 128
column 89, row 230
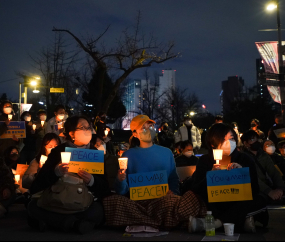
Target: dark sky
column 216, row 37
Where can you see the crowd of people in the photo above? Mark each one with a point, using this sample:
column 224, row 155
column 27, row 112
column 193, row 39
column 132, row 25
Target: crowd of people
column 56, row 198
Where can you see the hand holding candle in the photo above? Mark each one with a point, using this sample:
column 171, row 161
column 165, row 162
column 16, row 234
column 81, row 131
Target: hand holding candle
column 17, row 178
column 106, row 132
column 42, row 123
column 34, row 126
column 218, row 155
column 123, row 162
column 65, row 157
column 10, row 116
column 43, row 160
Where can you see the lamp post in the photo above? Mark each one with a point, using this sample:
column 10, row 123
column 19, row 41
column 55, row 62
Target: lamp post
column 272, row 6
column 30, row 81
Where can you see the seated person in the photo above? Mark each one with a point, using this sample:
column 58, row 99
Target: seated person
column 278, row 160
column 162, row 213
column 78, row 132
column 222, row 136
column 270, row 181
column 50, row 141
column 187, row 158
column 7, row 188
column 12, row 157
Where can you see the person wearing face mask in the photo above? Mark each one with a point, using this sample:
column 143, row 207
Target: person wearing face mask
column 277, row 127
column 222, row 136
column 187, row 158
column 270, row 181
column 78, row 132
column 149, row 157
column 6, row 109
column 166, row 137
column 277, row 159
column 255, row 124
column 12, row 157
column 28, row 152
column 50, row 141
column 40, row 128
column 189, row 132
column 56, row 124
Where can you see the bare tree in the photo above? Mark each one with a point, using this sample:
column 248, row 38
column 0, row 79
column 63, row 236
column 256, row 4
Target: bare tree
column 57, row 66
column 132, row 50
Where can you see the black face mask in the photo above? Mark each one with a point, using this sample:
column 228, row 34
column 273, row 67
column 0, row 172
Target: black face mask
column 255, row 146
column 253, row 125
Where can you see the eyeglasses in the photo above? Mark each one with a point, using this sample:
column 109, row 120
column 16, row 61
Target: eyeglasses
column 84, row 129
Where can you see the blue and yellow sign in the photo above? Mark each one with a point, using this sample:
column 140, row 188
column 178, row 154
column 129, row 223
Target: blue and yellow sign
column 229, row 186
column 149, row 185
column 91, row 161
column 14, row 128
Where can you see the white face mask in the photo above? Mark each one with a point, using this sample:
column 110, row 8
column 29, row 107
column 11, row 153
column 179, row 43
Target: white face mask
column 43, row 117
column 83, row 137
column 28, row 118
column 101, row 147
column 65, row 116
column 188, row 123
column 48, row 150
column 188, row 154
column 228, row 147
column 60, row 116
column 270, row 150
column 7, row 110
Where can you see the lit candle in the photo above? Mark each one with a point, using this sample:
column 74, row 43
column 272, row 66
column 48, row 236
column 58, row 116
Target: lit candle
column 42, row 123
column 218, row 155
column 34, row 126
column 106, row 132
column 17, row 178
column 59, row 125
column 65, row 157
column 43, row 160
column 123, row 162
column 10, row 116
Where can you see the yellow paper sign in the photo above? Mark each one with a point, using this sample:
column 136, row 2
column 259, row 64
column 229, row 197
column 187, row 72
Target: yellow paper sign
column 57, row 90
column 229, row 186
column 149, row 185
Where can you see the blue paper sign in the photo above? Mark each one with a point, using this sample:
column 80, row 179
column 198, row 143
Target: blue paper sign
column 148, row 185
column 15, row 128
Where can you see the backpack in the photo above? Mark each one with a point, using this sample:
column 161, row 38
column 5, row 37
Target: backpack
column 69, row 195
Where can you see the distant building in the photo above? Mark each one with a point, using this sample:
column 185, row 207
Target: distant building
column 166, row 80
column 232, row 90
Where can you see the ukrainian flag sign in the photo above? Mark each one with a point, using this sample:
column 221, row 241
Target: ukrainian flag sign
column 149, row 185
column 91, row 161
column 14, row 128
column 229, row 186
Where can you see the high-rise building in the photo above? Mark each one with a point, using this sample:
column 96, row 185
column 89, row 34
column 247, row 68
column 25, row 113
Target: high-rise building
column 166, row 81
column 232, row 90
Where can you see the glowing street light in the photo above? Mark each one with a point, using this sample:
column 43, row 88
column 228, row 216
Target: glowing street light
column 271, row 6
column 192, row 113
column 34, row 83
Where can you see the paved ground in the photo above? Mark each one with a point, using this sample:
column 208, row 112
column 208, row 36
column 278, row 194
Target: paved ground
column 14, row 227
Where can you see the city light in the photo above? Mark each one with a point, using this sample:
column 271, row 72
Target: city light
column 271, row 6
column 192, row 113
column 33, row 83
column 203, row 106
column 36, row 91
column 41, row 103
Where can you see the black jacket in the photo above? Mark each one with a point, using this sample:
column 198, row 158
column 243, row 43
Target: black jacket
column 47, row 177
column 166, row 139
column 206, row 163
column 183, row 160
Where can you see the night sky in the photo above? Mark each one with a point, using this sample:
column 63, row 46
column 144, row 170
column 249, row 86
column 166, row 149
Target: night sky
column 216, row 37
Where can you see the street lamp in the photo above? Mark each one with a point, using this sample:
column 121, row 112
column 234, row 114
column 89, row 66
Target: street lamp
column 272, row 6
column 192, row 113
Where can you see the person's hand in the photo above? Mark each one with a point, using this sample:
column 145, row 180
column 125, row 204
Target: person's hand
column 63, row 168
column 276, row 194
column 15, row 138
column 234, row 166
column 216, row 167
column 85, row 176
column 7, row 121
column 122, row 175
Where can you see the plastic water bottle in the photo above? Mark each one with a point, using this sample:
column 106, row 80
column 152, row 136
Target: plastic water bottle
column 210, row 224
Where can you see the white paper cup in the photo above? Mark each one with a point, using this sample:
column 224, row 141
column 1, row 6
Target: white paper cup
column 34, row 126
column 42, row 123
column 123, row 162
column 43, row 160
column 65, row 157
column 229, row 229
column 17, row 178
column 10, row 116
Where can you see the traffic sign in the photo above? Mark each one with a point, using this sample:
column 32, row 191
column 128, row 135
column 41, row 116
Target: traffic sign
column 57, row 90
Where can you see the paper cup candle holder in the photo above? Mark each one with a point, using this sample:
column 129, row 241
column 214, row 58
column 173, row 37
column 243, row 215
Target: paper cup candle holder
column 10, row 116
column 123, row 162
column 65, row 157
column 34, row 126
column 42, row 123
column 218, row 155
column 17, row 178
column 43, row 160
